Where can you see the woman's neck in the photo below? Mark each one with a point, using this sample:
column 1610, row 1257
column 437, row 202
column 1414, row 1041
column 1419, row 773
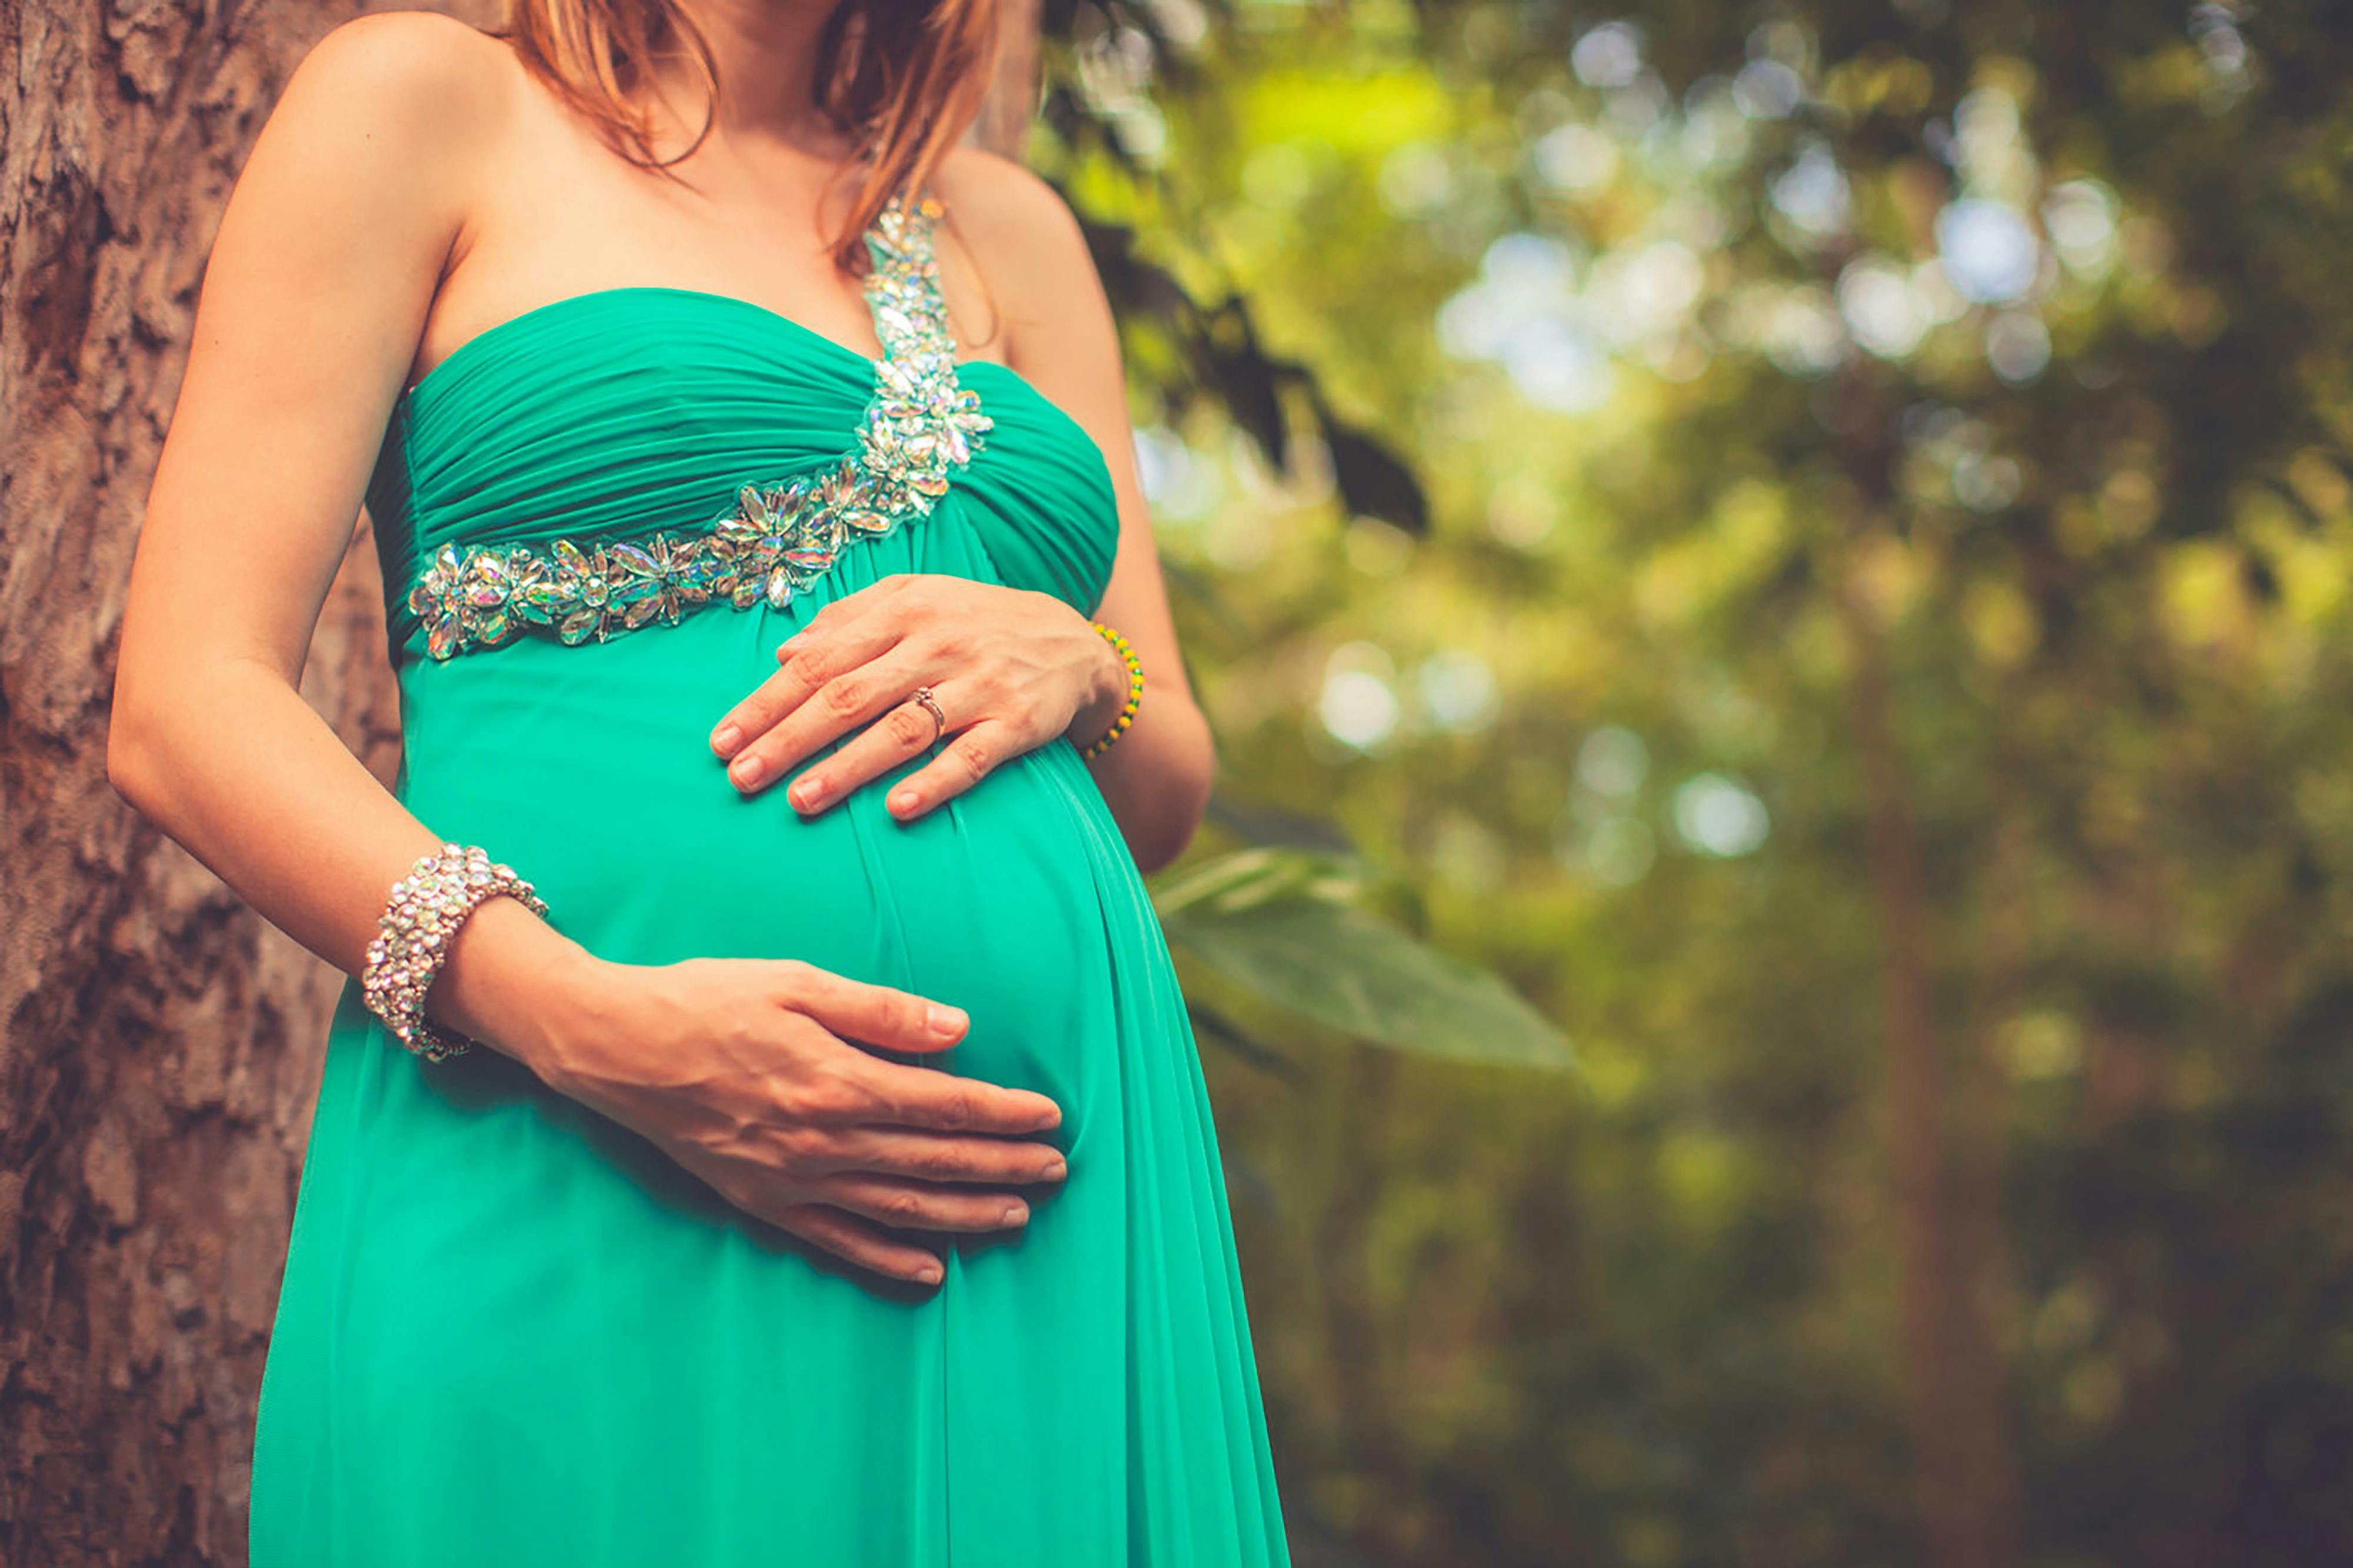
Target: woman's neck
column 766, row 54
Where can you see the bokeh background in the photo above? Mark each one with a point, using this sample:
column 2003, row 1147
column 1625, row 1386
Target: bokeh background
column 1773, row 951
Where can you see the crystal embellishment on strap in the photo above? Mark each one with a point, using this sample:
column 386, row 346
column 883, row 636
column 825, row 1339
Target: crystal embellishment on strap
column 920, row 426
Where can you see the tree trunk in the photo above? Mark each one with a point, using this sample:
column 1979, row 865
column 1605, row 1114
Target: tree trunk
column 159, row 1042
column 1965, row 1475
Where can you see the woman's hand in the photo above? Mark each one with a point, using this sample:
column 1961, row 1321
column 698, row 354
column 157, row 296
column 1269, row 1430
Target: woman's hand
column 741, row 1070
column 1009, row 668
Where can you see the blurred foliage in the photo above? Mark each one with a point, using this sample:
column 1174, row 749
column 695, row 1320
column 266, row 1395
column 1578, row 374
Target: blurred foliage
column 1645, row 478
column 1286, row 927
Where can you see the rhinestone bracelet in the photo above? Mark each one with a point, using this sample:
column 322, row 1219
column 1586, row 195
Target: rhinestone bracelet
column 420, row 919
column 1135, row 692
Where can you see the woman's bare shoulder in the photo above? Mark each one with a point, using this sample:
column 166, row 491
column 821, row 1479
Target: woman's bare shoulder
column 990, row 193
column 1027, row 241
column 417, row 74
column 364, row 178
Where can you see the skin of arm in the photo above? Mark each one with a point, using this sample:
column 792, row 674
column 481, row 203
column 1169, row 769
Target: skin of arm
column 350, row 205
column 351, row 208
column 1060, row 335
column 863, row 655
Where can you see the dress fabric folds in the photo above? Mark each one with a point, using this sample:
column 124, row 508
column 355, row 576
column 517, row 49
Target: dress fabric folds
column 512, row 1332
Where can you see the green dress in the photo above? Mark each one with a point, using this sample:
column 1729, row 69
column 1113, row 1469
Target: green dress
column 510, row 1331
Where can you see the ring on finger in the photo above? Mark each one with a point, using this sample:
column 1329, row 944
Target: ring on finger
column 931, row 705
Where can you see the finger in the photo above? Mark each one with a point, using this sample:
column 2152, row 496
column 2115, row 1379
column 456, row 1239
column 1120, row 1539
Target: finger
column 937, row 1157
column 906, row 730
column 859, row 1241
column 918, row 1206
column 855, row 697
column 963, row 762
column 849, row 642
column 874, row 1015
column 912, row 1095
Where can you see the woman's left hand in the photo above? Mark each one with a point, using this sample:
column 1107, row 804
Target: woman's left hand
column 1009, row 668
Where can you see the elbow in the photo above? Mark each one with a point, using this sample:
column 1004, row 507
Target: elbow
column 1160, row 851
column 123, row 764
column 1183, row 808
column 128, row 765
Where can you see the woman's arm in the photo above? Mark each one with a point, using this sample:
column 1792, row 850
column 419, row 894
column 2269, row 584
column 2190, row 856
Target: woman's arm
column 357, row 199
column 1060, row 335
column 350, row 206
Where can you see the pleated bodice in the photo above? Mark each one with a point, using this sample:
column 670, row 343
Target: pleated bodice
column 630, row 410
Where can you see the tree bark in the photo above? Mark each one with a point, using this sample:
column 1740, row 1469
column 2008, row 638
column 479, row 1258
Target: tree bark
column 159, row 1042
column 1965, row 1475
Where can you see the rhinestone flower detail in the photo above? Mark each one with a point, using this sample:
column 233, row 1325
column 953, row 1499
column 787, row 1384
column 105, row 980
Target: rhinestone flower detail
column 920, row 426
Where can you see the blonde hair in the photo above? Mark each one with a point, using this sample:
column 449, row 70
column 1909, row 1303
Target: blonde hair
column 902, row 77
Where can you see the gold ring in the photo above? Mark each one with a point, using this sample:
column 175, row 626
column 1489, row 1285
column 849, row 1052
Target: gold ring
column 931, row 705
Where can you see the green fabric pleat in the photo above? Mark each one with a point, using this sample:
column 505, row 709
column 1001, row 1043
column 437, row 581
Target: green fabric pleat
column 512, row 1332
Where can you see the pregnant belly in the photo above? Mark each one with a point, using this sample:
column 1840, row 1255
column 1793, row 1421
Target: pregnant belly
column 589, row 770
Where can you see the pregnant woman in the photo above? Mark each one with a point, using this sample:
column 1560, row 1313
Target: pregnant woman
column 762, row 1125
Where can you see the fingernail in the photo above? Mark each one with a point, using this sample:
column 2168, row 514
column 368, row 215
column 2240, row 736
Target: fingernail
column 747, row 771
column 944, row 1020
column 807, row 793
column 1057, row 1170
column 1016, row 1212
column 929, row 1274
column 905, row 800
column 725, row 742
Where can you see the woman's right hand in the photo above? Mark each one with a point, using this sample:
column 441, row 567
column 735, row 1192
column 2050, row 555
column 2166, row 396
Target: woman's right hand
column 742, row 1072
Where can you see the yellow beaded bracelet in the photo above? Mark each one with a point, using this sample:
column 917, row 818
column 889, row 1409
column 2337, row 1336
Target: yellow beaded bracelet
column 1135, row 692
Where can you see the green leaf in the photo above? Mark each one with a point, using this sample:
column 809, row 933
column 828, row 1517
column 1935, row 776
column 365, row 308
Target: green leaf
column 1350, row 969
column 1228, row 884
column 1213, row 1027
